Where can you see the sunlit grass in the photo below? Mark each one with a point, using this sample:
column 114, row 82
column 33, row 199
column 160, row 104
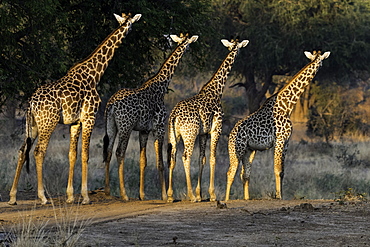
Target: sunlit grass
column 31, row 230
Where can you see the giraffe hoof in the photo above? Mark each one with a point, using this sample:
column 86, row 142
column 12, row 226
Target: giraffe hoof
column 170, row 200
column 70, row 200
column 86, row 202
column 13, row 203
column 44, row 201
column 125, row 198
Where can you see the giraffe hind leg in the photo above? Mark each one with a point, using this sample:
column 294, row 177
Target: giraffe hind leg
column 202, row 162
column 74, row 135
column 246, row 172
column 171, row 160
column 143, row 138
column 186, row 159
column 233, row 166
column 23, row 156
column 107, row 155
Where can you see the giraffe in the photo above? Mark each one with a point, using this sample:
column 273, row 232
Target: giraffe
column 268, row 127
column 71, row 100
column 200, row 115
column 142, row 110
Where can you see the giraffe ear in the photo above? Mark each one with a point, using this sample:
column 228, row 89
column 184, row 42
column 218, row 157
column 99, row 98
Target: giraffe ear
column 309, row 55
column 227, row 43
column 244, row 43
column 136, row 18
column 176, row 38
column 120, row 19
column 193, row 38
column 325, row 55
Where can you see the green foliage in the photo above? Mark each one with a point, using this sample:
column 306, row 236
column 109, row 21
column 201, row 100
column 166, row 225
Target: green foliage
column 333, row 112
column 280, row 31
column 42, row 39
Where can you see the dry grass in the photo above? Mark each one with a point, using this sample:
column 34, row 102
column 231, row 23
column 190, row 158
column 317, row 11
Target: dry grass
column 313, row 170
column 66, row 230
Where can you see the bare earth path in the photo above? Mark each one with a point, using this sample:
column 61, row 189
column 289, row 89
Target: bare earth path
column 242, row 223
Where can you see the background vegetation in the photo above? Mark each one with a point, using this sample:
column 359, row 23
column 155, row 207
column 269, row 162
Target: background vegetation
column 42, row 39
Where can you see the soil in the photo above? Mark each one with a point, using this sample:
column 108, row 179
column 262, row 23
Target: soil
column 109, row 221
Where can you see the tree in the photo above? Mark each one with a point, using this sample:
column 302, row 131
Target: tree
column 42, row 39
column 279, row 32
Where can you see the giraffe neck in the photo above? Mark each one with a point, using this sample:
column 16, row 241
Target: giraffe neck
column 161, row 80
column 94, row 66
column 288, row 96
column 215, row 87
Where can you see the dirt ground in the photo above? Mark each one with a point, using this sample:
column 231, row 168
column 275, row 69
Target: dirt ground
column 112, row 222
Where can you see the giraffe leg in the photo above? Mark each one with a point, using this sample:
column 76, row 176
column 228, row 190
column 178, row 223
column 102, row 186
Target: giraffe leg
column 202, row 162
column 233, row 167
column 246, row 172
column 215, row 136
column 74, row 135
column 110, row 136
column 87, row 127
column 186, row 158
column 279, row 157
column 39, row 153
column 123, row 139
column 22, row 153
column 158, row 144
column 143, row 139
column 171, row 160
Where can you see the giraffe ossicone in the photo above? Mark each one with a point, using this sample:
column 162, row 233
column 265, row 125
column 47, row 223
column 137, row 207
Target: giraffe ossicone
column 141, row 109
column 268, row 127
column 73, row 100
column 200, row 115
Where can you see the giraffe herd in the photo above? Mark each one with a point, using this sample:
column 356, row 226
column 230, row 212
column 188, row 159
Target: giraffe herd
column 74, row 100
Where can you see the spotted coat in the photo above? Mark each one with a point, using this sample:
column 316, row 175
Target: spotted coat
column 72, row 100
column 200, row 115
column 268, row 127
column 142, row 110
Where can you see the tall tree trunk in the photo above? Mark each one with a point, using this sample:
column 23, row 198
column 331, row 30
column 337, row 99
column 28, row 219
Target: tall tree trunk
column 255, row 97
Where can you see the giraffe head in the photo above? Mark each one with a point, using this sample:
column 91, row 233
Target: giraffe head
column 234, row 43
column 122, row 19
column 183, row 37
column 317, row 55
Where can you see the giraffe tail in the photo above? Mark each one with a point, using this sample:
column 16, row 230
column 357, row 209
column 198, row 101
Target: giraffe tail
column 105, row 147
column 169, row 150
column 171, row 137
column 27, row 153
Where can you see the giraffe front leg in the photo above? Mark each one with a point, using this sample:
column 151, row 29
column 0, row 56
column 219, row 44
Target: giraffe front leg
column 74, row 134
column 215, row 136
column 279, row 157
column 202, row 162
column 86, row 135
